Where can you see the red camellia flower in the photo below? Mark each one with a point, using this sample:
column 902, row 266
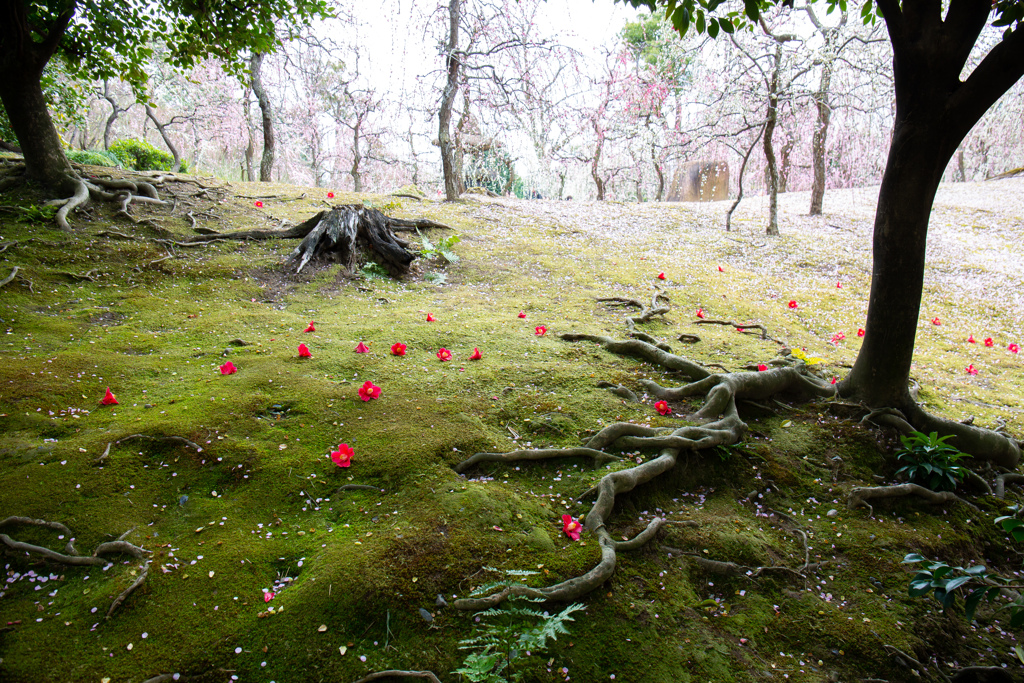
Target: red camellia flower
column 720, row 269
column 971, row 370
column 761, row 367
column 989, row 342
column 362, row 348
column 522, row 314
column 304, row 351
column 268, row 596
column 430, row 318
column 540, row 330
column 661, row 276
column 700, row 312
column 936, row 321
column 259, row 205
column 662, row 408
column 1013, row 348
column 311, row 328
column 444, row 354
column 792, row 303
column 571, row 527
column 330, row 195
column 839, row 285
column 343, row 456
column 228, row 368
column 860, row 331
column 369, row 391
column 398, row 349
column 838, row 337
column 109, row 399
column 970, row 339
column 835, row 380
column 476, row 354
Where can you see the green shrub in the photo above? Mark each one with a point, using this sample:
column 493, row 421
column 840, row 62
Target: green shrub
column 141, row 156
column 93, row 157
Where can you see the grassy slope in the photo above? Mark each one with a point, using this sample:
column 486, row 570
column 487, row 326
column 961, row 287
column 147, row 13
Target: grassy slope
column 362, row 563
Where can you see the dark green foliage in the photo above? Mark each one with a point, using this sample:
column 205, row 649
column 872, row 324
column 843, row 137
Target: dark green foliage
column 943, row 580
column 141, row 156
column 931, row 462
column 93, row 157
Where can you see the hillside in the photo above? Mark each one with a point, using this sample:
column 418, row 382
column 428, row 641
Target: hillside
column 227, row 479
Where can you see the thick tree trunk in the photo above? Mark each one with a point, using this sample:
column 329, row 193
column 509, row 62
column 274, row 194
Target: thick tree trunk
column 23, row 99
column 269, row 141
column 451, row 86
column 820, row 137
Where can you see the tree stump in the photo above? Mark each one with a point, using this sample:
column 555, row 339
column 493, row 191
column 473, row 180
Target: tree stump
column 345, row 232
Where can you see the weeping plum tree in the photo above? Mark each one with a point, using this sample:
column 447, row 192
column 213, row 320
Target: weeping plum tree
column 107, row 39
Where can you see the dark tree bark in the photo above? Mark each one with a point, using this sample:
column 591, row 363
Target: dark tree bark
column 772, row 171
column 115, row 111
column 250, row 149
column 269, row 141
column 357, row 157
column 23, row 56
column 934, row 112
column 451, row 87
column 823, row 106
column 162, row 129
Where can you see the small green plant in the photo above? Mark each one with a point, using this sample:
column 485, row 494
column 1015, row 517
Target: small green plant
column 931, row 461
column 506, row 636
column 443, row 248
column 435, row 278
column 383, row 207
column 141, row 156
column 35, row 214
column 372, row 270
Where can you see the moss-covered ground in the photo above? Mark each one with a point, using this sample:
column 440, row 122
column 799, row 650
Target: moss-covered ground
column 259, row 507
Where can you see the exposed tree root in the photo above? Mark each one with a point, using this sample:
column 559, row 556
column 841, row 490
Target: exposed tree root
column 619, row 390
column 861, row 494
column 646, row 312
column 1008, row 478
column 395, row 673
column 722, row 426
column 7, row 280
column 70, row 556
column 739, row 328
column 129, row 590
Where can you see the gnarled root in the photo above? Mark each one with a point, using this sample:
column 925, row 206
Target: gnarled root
column 646, row 312
column 599, row 457
column 129, row 590
column 1009, row 478
column 70, row 556
column 861, row 494
column 644, row 351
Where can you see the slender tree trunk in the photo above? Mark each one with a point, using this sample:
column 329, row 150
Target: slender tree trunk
column 162, row 129
column 250, row 149
column 115, row 110
column 451, row 86
column 269, row 141
column 659, row 173
column 25, row 104
column 772, row 170
column 357, row 177
column 820, row 137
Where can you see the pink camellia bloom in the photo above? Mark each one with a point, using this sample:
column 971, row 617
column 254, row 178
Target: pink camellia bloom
column 761, row 367
column 267, row 596
column 311, row 327
column 540, row 330
column 343, row 456
column 792, row 303
column 304, row 351
column 522, row 314
column 259, row 205
column 109, row 399
column 430, row 318
column 700, row 313
column 661, row 276
column 362, row 348
column 989, row 342
column 1013, row 348
column 970, row 339
column 330, row 195
column 860, row 331
column 398, row 349
column 369, row 390
column 571, row 527
column 444, row 354
column 662, row 408
column 971, row 370
column 936, row 321
column 476, row 354
column 228, row 368
column 838, row 337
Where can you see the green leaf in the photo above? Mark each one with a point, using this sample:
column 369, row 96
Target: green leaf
column 953, row 584
column 713, row 28
column 914, row 557
column 919, row 588
column 751, row 9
